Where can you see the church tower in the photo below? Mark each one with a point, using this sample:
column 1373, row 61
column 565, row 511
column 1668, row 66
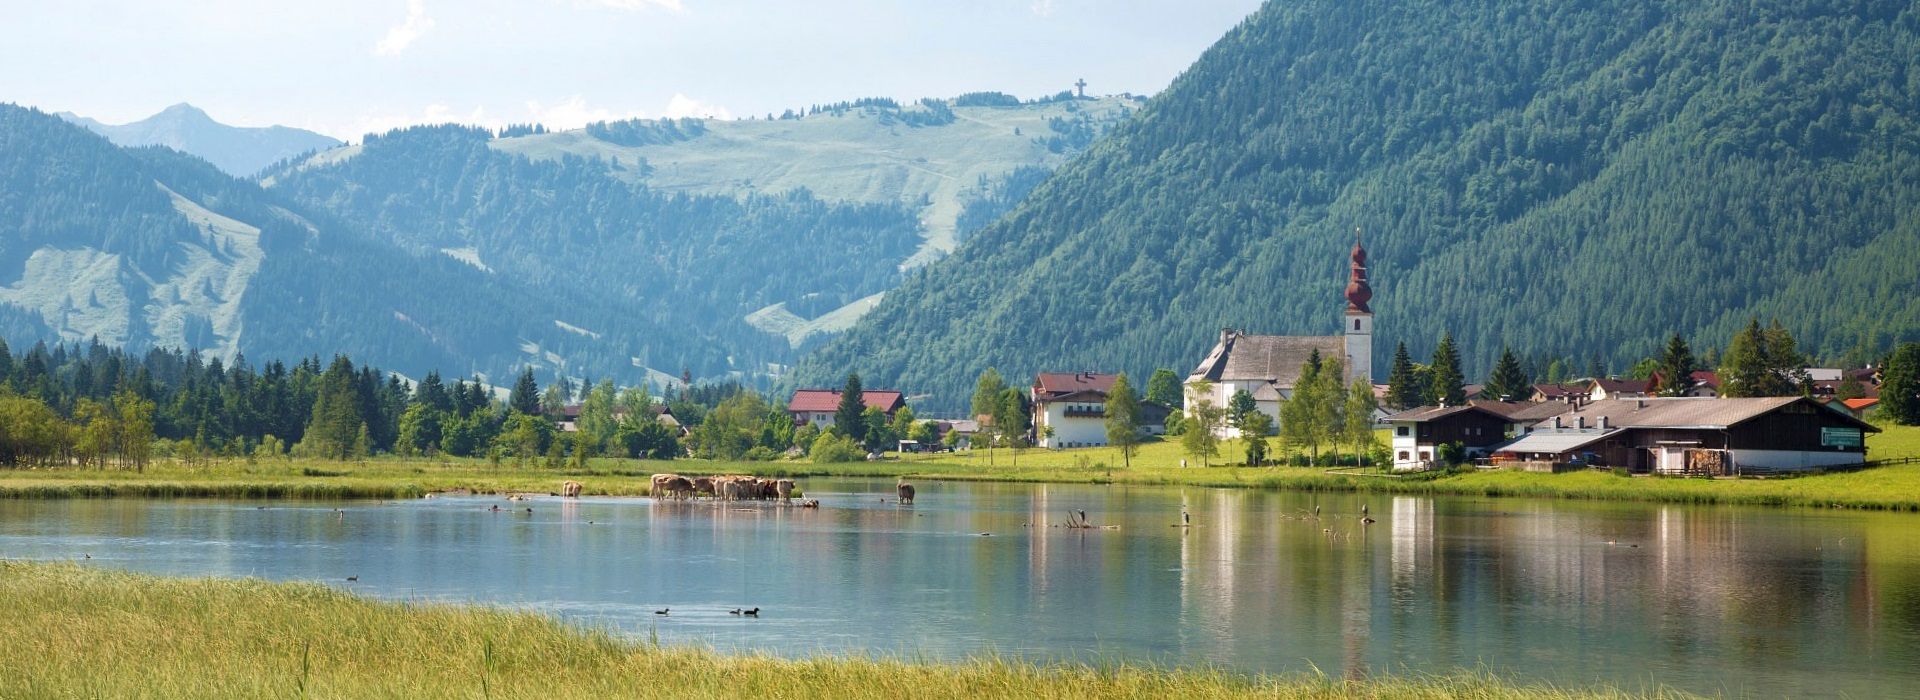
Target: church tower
column 1359, row 318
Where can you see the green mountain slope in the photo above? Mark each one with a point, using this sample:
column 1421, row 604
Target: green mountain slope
column 1570, row 178
column 151, row 247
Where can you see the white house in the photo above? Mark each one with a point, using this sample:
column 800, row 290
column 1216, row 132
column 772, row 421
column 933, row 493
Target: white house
column 1070, row 410
column 1268, row 366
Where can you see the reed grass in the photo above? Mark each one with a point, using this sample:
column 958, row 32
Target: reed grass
column 78, row 631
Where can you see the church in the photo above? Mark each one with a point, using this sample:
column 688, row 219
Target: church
column 1268, row 366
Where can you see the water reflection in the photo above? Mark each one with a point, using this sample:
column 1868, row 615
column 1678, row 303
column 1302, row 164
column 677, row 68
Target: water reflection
column 1708, row 599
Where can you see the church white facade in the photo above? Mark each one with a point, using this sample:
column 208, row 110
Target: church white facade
column 1268, row 366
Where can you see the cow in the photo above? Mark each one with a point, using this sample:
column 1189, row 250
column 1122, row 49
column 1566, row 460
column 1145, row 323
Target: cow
column 679, row 487
column 906, row 492
column 703, row 486
column 570, row 489
column 729, row 490
column 659, row 485
column 784, row 488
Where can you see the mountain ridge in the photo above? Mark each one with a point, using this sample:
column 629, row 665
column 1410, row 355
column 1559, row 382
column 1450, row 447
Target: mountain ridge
column 237, row 150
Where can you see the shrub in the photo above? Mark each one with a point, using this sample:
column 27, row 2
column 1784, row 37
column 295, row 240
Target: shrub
column 833, row 447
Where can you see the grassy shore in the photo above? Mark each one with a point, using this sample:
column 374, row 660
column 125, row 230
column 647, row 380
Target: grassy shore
column 84, row 632
column 1883, row 488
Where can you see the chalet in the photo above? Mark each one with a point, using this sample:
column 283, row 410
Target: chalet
column 1268, row 366
column 1697, row 436
column 1070, row 409
column 1858, row 408
column 1418, row 433
column 1560, row 392
column 1604, row 389
column 568, row 420
column 817, row 406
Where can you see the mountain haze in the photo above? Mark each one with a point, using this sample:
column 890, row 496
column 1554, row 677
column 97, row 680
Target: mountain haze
column 239, row 151
column 1569, row 178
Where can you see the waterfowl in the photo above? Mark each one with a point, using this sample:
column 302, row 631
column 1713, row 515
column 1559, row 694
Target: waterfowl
column 752, row 613
column 662, row 611
column 734, row 611
column 353, row 578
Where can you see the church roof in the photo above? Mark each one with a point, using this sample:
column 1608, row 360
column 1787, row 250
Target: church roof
column 1271, row 358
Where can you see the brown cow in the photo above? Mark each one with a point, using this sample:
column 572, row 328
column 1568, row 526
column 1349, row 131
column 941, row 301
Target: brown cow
column 784, row 488
column 703, row 486
column 768, row 488
column 906, row 492
column 570, row 489
column 679, row 487
column 659, row 485
column 729, row 489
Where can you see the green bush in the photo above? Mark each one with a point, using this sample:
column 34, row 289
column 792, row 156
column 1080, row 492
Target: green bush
column 832, row 447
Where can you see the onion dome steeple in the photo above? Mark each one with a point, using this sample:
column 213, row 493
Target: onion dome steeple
column 1358, row 292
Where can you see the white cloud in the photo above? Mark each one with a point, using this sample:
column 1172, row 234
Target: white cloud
column 1043, row 8
column 634, row 5
column 403, row 35
column 574, row 112
column 684, row 106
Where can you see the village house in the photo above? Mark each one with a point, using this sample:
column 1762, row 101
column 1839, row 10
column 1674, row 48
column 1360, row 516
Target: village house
column 1268, row 366
column 1070, row 410
column 816, row 407
column 568, row 421
column 1697, row 436
column 1604, row 389
column 1418, row 433
column 1560, row 392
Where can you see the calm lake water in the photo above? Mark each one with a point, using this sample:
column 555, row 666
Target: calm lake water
column 1770, row 603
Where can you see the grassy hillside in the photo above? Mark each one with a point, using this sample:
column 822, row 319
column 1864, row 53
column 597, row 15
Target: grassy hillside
column 1569, row 178
column 852, row 155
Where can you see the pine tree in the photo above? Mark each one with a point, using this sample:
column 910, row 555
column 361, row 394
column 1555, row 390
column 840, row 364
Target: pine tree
column 1509, row 381
column 1900, row 386
column 1239, row 407
column 336, row 421
column 1448, row 384
column 525, row 398
column 1403, row 388
column 1123, row 419
column 1676, row 367
column 1164, row 388
column 849, row 415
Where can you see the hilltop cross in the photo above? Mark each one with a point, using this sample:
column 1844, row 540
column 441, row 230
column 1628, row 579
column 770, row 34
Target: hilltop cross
column 1081, row 86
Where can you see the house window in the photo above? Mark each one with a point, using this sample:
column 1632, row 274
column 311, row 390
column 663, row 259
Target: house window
column 1403, row 455
column 1426, row 456
column 1400, row 431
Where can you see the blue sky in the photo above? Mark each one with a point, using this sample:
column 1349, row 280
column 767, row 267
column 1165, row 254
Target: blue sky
column 348, row 67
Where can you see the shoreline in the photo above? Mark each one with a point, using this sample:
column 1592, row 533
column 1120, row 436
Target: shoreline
column 1889, row 488
column 78, row 628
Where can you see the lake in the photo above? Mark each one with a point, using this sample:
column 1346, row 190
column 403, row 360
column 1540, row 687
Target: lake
column 1740, row 601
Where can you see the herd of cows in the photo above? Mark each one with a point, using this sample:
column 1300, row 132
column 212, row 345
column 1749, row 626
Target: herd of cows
column 725, row 488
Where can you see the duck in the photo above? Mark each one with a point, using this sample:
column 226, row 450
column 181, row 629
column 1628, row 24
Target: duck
column 353, row 578
column 734, row 611
column 1367, row 521
column 662, row 611
column 752, row 613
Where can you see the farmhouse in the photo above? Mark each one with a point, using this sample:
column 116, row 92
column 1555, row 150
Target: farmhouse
column 817, row 406
column 1418, row 433
column 1070, row 409
column 1268, row 366
column 1697, row 436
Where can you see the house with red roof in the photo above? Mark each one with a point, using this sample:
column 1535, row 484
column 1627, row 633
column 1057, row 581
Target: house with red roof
column 817, row 406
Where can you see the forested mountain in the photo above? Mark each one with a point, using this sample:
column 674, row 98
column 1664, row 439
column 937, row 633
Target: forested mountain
column 1570, row 178
column 761, row 265
column 150, row 247
column 238, row 150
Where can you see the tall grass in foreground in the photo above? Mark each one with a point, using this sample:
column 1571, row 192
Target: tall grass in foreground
column 82, row 632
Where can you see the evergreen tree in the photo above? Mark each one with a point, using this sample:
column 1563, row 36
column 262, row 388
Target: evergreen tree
column 1123, row 419
column 1509, row 381
column 986, row 392
column 1900, row 386
column 1448, row 384
column 336, row 422
column 525, row 398
column 849, row 415
column 1164, row 388
column 1239, row 407
column 1676, row 367
column 1763, row 362
column 1403, row 388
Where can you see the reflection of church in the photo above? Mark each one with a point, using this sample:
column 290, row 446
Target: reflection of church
column 1268, row 366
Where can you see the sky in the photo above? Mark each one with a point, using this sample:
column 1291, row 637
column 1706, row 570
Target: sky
column 350, row 67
